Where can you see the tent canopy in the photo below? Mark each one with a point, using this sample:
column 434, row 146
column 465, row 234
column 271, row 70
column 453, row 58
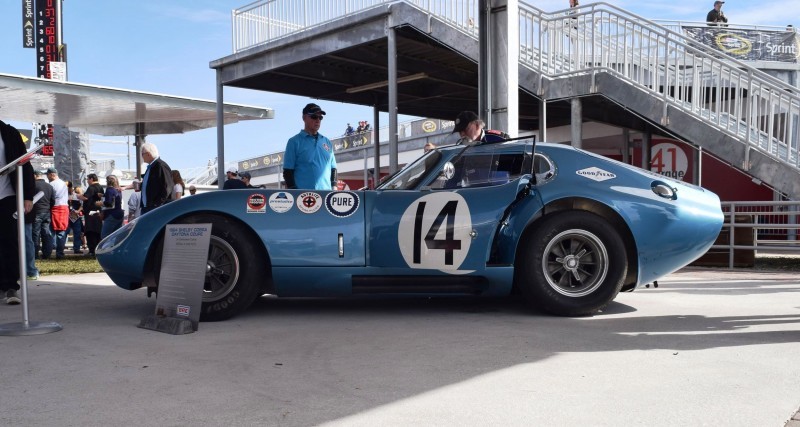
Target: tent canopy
column 110, row 111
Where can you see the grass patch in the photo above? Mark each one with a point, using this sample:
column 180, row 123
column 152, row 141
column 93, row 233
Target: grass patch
column 68, row 265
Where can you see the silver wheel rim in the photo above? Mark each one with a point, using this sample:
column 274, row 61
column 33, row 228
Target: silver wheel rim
column 222, row 270
column 575, row 263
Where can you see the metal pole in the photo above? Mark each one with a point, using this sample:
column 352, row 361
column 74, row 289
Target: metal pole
column 376, row 141
column 484, row 62
column 626, row 146
column 366, row 172
column 138, row 145
column 576, row 122
column 23, row 276
column 220, row 133
column 543, row 120
column 392, row 63
column 25, row 327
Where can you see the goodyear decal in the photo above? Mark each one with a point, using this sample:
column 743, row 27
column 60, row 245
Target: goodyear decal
column 596, row 174
column 342, row 204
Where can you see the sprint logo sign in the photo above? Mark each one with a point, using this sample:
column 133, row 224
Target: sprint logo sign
column 596, row 174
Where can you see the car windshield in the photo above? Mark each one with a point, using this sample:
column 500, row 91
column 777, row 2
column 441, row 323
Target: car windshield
column 410, row 176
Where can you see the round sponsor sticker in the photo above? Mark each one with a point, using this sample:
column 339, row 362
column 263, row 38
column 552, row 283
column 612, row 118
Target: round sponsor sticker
column 309, row 202
column 256, row 203
column 341, row 203
column 281, row 201
column 434, row 232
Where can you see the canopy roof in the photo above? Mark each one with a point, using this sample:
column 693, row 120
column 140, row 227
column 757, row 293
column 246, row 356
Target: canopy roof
column 110, row 111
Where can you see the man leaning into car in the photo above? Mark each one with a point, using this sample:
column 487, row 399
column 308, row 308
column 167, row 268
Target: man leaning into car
column 472, row 130
column 308, row 162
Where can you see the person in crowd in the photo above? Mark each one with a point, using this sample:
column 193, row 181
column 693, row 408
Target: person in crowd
column 11, row 148
column 59, row 218
column 40, row 230
column 348, row 130
column 360, row 128
column 111, row 209
column 429, row 147
column 367, row 127
column 309, row 162
column 246, row 179
column 75, row 225
column 75, row 218
column 179, row 188
column 471, row 130
column 715, row 16
column 232, row 181
column 93, row 224
column 192, row 190
column 135, row 203
column 30, row 251
column 157, row 185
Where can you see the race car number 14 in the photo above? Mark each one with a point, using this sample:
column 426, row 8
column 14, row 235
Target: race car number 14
column 435, row 232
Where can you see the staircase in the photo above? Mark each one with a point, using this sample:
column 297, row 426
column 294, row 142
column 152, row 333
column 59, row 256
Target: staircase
column 730, row 109
column 736, row 112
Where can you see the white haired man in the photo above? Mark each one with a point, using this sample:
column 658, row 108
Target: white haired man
column 157, row 181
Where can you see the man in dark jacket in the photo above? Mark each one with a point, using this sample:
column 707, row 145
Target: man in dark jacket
column 715, row 15
column 41, row 216
column 157, row 184
column 92, row 201
column 12, row 147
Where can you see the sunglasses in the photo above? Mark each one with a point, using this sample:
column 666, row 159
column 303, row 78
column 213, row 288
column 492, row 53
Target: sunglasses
column 314, row 117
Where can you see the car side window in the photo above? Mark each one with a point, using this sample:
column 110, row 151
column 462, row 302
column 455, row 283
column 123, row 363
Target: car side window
column 482, row 170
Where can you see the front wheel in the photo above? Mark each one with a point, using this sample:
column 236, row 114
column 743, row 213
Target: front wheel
column 572, row 264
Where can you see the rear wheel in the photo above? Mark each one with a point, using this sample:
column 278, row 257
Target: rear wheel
column 572, row 264
column 234, row 270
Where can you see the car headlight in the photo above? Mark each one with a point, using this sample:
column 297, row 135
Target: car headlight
column 116, row 238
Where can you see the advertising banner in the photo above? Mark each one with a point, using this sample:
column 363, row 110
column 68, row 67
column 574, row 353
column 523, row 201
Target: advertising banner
column 28, row 27
column 46, row 53
column 749, row 45
column 46, row 37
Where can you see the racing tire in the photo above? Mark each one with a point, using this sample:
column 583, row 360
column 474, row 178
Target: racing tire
column 233, row 269
column 571, row 264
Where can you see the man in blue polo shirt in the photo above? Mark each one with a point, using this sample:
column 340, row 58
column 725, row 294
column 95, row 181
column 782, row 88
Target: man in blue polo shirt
column 308, row 162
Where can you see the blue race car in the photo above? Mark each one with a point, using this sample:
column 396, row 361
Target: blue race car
column 566, row 228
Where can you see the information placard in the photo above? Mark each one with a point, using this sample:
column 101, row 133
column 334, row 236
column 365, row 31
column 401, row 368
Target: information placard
column 183, row 270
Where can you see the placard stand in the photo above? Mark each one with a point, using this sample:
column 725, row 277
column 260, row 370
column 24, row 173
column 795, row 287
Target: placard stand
column 184, row 261
column 26, row 327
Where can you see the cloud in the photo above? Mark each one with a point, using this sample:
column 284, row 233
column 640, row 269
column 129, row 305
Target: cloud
column 195, row 15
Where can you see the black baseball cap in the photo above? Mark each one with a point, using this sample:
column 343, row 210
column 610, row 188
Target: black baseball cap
column 463, row 120
column 313, row 109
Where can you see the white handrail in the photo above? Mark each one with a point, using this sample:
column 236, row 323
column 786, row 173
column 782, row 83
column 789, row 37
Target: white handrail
column 743, row 102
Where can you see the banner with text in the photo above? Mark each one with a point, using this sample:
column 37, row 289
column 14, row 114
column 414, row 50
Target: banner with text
column 749, row 45
column 28, row 28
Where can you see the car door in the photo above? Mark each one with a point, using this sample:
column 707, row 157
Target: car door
column 449, row 225
column 314, row 228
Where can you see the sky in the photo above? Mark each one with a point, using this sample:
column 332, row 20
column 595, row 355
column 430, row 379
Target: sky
column 165, row 47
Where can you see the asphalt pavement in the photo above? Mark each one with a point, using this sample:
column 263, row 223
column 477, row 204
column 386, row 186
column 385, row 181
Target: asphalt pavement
column 707, row 347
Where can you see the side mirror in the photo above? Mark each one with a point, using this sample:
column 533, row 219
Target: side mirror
column 448, row 171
